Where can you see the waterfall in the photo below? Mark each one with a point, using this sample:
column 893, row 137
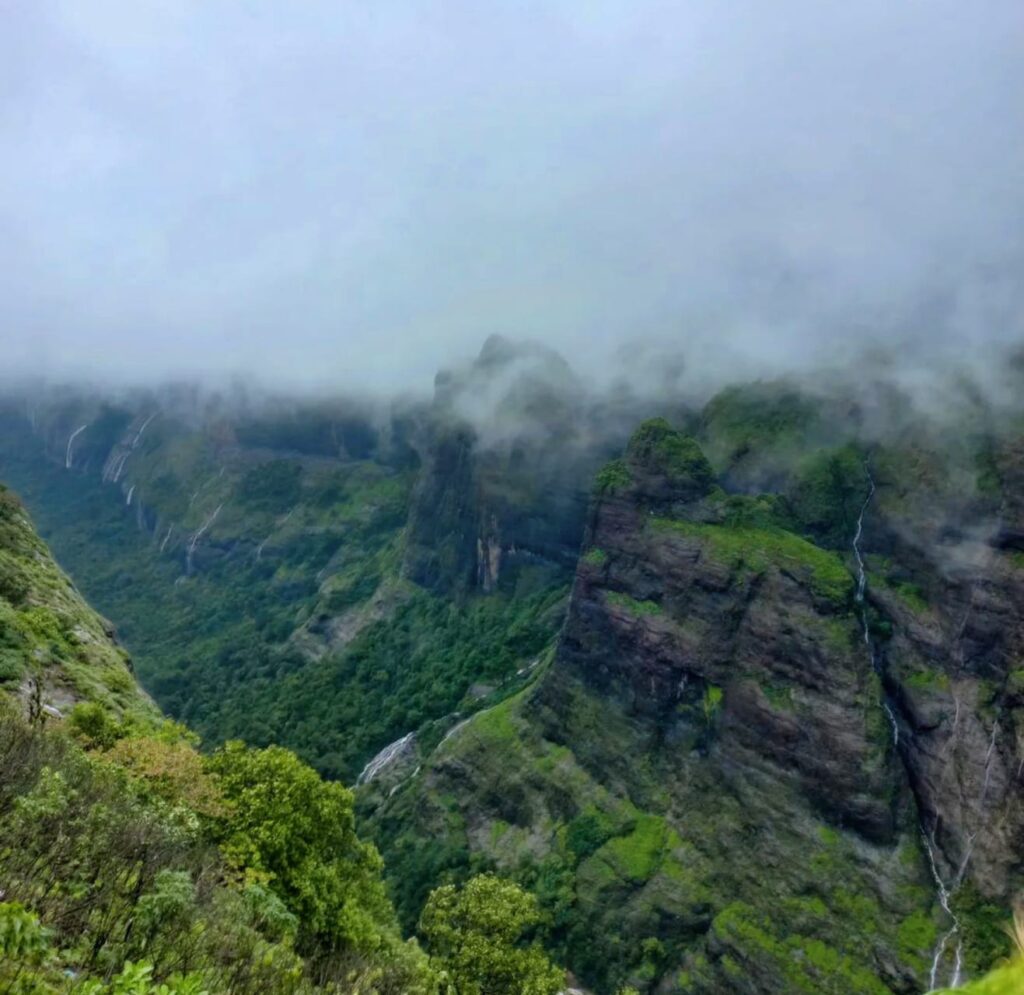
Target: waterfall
column 196, row 536
column 128, row 500
column 954, row 930
column 862, row 584
column 71, row 439
column 163, row 545
column 138, row 435
column 112, row 471
column 945, row 894
column 277, row 526
column 385, row 758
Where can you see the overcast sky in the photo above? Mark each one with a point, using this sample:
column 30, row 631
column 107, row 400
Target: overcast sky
column 360, row 191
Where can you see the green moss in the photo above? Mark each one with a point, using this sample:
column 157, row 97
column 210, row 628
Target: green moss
column 498, row 830
column 595, row 557
column 753, row 550
column 712, row 701
column 912, row 595
column 613, row 477
column 496, row 724
column 928, row 679
column 635, row 857
column 1017, row 559
column 799, row 964
column 779, row 696
column 829, row 836
column 916, row 936
column 1015, row 682
column 631, row 605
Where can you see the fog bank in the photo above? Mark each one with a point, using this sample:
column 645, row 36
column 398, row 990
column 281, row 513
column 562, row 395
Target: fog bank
column 326, row 194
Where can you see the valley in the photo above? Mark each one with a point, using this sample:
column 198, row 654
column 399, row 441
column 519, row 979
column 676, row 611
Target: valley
column 735, row 692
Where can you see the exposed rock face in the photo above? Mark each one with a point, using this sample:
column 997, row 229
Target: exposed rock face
column 507, row 454
column 954, row 668
column 441, row 543
column 662, row 619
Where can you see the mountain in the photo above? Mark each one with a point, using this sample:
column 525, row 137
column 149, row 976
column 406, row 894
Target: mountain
column 134, row 865
column 732, row 686
column 744, row 768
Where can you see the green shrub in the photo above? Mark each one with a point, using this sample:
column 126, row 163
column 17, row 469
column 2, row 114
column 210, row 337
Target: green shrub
column 613, row 477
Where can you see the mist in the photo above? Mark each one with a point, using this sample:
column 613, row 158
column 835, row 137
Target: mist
column 353, row 195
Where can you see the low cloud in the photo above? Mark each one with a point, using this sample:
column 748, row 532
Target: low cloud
column 353, row 195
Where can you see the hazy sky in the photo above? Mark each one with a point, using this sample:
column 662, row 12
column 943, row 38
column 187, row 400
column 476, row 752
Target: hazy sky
column 359, row 191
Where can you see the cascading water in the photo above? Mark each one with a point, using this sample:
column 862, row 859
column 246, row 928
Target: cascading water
column 277, row 526
column 944, row 900
column 862, row 584
column 945, row 894
column 194, row 541
column 386, row 757
column 71, row 438
column 138, row 435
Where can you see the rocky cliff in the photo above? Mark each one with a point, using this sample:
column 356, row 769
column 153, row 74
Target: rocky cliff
column 777, row 747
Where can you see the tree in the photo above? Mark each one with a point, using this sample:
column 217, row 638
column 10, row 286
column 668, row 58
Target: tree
column 475, row 937
column 298, row 833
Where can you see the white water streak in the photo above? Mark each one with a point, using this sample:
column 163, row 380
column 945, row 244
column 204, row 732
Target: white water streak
column 862, row 584
column 170, row 529
column 196, row 536
column 138, row 435
column 944, row 897
column 71, row 439
column 277, row 527
column 128, row 500
column 383, row 759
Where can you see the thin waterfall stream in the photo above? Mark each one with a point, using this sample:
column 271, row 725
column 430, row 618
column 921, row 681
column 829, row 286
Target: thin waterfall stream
column 944, row 893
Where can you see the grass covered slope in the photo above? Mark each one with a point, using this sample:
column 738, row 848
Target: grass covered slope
column 54, row 649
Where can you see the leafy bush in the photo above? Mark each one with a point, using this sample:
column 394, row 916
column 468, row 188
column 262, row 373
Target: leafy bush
column 476, row 939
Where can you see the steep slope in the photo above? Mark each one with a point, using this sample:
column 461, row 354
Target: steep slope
column 130, row 863
column 259, row 566
column 54, row 650
column 736, row 773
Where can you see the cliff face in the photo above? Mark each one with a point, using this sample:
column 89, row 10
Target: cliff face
column 952, row 651
column 687, row 604
column 737, row 774
column 507, row 451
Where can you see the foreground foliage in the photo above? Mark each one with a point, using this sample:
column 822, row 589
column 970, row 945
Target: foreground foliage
column 251, row 881
column 473, row 937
